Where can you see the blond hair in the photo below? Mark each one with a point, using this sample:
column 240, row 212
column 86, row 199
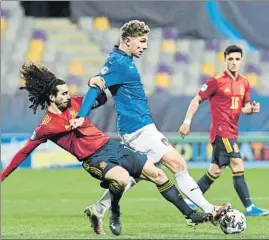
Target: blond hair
column 134, row 28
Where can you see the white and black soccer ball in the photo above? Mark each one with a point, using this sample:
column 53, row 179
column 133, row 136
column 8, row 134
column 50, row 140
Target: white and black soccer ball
column 233, row 222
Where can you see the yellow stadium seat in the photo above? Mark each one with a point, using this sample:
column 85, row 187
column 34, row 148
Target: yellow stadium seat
column 3, row 23
column 220, row 57
column 37, row 46
column 101, row 23
column 76, row 69
column 208, row 69
column 168, row 46
column 33, row 56
column 162, row 80
column 73, row 89
column 253, row 79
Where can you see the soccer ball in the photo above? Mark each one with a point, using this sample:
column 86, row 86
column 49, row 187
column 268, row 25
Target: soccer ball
column 233, row 222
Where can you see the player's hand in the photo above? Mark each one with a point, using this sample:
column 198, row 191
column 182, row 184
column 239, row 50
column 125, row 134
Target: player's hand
column 255, row 107
column 76, row 122
column 97, row 82
column 184, row 129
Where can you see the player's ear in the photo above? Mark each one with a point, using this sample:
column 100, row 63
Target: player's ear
column 128, row 41
column 52, row 97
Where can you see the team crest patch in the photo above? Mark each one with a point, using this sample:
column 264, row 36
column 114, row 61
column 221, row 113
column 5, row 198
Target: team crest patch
column 104, row 70
column 204, row 87
column 236, row 148
column 103, row 165
column 165, row 142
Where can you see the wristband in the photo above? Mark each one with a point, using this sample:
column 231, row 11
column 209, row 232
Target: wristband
column 187, row 121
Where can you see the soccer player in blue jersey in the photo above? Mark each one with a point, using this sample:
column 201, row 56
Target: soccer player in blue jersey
column 134, row 122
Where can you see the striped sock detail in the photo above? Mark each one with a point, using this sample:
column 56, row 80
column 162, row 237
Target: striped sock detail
column 211, row 177
column 166, row 186
column 238, row 174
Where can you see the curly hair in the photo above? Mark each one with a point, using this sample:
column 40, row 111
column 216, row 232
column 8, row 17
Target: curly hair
column 40, row 83
column 134, row 28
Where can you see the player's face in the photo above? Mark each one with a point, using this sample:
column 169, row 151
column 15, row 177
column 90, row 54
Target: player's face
column 62, row 99
column 138, row 45
column 233, row 61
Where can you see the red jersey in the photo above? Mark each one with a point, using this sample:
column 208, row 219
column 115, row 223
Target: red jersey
column 226, row 98
column 81, row 142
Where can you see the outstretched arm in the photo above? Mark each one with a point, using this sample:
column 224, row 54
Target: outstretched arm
column 20, row 157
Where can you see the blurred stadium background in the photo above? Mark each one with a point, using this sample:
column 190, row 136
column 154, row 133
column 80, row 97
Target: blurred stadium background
column 186, row 46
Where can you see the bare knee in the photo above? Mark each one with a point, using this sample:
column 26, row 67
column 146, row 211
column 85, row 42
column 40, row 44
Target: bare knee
column 174, row 161
column 237, row 165
column 154, row 174
column 118, row 175
column 215, row 170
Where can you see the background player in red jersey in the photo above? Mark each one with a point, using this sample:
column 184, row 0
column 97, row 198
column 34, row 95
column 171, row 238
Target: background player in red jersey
column 228, row 95
column 105, row 159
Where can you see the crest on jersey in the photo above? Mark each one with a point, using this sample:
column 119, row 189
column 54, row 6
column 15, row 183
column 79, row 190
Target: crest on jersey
column 204, row 87
column 33, row 136
column 104, row 70
column 103, row 165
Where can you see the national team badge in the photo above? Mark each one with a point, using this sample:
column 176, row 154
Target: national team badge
column 104, row 70
column 103, row 165
column 236, row 148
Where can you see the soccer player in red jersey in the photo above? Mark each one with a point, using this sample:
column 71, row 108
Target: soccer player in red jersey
column 106, row 160
column 228, row 95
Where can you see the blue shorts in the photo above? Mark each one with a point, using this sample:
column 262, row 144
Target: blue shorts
column 113, row 154
column 223, row 150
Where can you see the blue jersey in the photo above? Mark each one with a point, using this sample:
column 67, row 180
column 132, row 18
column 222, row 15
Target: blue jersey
column 123, row 80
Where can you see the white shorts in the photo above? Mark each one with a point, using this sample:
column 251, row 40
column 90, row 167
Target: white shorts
column 148, row 140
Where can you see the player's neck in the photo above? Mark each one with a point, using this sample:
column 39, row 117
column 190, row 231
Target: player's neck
column 124, row 48
column 232, row 74
column 54, row 109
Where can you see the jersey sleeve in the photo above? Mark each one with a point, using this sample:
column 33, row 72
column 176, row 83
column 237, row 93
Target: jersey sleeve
column 113, row 72
column 208, row 89
column 78, row 99
column 247, row 94
column 36, row 139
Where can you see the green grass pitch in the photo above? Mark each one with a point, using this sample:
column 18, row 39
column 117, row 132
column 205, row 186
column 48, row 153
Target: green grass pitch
column 43, row 204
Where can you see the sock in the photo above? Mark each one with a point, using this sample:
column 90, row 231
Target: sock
column 105, row 201
column 241, row 188
column 171, row 194
column 192, row 191
column 205, row 182
column 116, row 193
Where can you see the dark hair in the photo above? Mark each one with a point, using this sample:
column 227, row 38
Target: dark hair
column 232, row 49
column 40, row 83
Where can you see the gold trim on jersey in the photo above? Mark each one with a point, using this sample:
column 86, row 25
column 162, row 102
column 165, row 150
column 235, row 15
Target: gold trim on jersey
column 46, row 119
column 227, row 145
column 219, row 75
